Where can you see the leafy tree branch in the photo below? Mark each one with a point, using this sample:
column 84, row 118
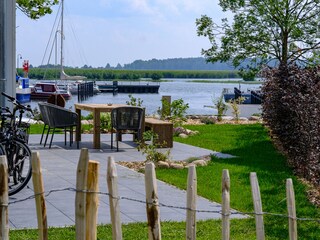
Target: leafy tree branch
column 35, row 9
column 282, row 31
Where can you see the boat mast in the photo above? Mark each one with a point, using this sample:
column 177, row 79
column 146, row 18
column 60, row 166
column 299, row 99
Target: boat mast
column 62, row 38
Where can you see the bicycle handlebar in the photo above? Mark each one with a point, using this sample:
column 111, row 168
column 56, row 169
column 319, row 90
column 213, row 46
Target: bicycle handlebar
column 8, row 96
column 17, row 103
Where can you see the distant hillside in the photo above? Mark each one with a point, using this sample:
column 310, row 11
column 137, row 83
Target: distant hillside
column 176, row 64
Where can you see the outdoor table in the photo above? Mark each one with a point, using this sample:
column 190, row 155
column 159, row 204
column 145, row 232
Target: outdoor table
column 96, row 109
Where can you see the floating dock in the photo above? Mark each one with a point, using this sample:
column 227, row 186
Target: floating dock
column 129, row 88
column 251, row 97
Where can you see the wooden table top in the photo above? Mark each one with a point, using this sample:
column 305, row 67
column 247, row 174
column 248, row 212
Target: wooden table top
column 97, row 106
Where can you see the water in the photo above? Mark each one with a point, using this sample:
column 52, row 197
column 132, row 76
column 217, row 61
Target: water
column 196, row 94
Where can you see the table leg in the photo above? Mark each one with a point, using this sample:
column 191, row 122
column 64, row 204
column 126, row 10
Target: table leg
column 96, row 129
column 78, row 128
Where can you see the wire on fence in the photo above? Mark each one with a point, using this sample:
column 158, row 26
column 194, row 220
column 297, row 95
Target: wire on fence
column 71, row 189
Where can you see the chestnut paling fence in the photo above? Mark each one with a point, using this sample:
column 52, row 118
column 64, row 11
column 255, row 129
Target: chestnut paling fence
column 86, row 201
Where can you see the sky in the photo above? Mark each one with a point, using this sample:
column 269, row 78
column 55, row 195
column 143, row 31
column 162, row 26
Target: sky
column 98, row 32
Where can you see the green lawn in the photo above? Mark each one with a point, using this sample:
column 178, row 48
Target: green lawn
column 255, row 154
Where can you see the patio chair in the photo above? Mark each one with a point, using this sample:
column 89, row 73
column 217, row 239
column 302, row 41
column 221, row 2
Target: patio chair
column 60, row 118
column 45, row 118
column 126, row 119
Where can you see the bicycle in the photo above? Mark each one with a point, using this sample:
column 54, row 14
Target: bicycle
column 14, row 136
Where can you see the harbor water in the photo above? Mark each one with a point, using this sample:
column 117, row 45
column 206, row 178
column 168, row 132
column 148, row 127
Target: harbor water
column 198, row 95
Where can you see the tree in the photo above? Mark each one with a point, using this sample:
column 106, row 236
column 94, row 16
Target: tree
column 281, row 30
column 36, row 8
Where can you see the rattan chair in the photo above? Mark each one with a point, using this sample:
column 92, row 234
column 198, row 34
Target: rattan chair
column 60, row 118
column 126, row 119
column 45, row 118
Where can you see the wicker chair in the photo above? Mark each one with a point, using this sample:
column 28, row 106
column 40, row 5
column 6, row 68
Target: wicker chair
column 45, row 118
column 126, row 120
column 60, row 118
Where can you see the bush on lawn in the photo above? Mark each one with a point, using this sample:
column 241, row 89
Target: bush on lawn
column 291, row 110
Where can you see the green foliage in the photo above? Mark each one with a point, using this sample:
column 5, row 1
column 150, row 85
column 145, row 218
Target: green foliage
column 261, row 31
column 36, row 8
column 234, row 103
column 248, row 74
column 156, row 76
column 294, row 120
column 150, row 150
column 175, row 112
column 105, row 119
column 221, row 106
column 134, row 101
column 134, row 75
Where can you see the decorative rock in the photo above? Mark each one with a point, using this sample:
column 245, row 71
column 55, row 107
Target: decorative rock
column 176, row 166
column 162, row 164
column 254, row 118
column 200, row 162
column 85, row 122
column 194, row 133
column 228, row 118
column 188, row 131
column 183, row 135
column 243, row 119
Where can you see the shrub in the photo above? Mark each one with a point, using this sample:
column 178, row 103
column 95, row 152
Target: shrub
column 234, row 103
column 134, row 101
column 175, row 112
column 220, row 105
column 209, row 120
column 150, row 150
column 291, row 110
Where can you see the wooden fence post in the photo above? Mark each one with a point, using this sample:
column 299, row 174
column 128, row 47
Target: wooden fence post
column 225, row 205
column 114, row 201
column 39, row 196
column 92, row 200
column 191, row 203
column 80, row 200
column 152, row 205
column 256, row 196
column 4, row 198
column 291, row 205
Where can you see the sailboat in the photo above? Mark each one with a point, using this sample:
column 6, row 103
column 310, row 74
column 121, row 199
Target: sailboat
column 63, row 75
column 62, row 86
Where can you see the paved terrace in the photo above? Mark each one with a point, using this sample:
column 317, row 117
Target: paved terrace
column 59, row 166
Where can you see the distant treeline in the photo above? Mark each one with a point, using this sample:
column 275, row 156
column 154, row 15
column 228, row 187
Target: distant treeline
column 113, row 74
column 196, row 63
column 177, row 64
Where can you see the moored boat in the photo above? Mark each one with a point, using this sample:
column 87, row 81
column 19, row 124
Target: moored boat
column 45, row 90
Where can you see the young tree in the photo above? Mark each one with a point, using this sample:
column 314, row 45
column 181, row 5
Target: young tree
column 281, row 30
column 36, row 8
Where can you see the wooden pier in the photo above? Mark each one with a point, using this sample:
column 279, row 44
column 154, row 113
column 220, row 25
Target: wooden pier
column 251, row 97
column 129, row 88
column 85, row 90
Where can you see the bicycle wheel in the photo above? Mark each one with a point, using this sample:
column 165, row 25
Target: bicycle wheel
column 19, row 164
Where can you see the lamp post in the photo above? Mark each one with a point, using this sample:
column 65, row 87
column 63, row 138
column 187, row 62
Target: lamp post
column 19, row 56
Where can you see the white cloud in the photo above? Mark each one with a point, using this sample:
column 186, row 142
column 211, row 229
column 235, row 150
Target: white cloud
column 141, row 6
